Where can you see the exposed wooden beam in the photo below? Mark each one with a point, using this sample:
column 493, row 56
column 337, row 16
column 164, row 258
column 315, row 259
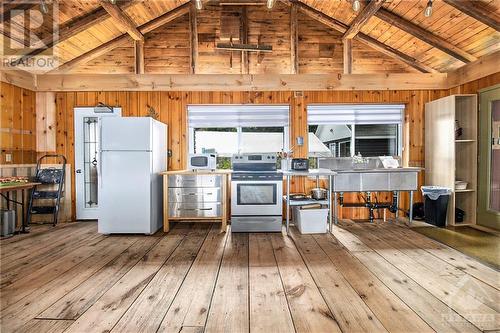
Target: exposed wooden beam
column 18, row 78
column 294, row 40
column 424, row 35
column 9, row 8
column 76, row 26
column 124, row 39
column 359, row 21
column 245, row 65
column 238, row 82
column 122, row 20
column 347, row 52
column 193, row 39
column 476, row 10
column 372, row 42
column 482, row 67
column 139, row 56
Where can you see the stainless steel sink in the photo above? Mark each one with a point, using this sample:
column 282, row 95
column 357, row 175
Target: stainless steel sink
column 370, row 176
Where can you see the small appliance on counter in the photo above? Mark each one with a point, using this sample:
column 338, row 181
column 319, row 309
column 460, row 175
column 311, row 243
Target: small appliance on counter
column 300, row 164
column 205, row 161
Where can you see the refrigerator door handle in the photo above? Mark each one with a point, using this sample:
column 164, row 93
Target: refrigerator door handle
column 99, row 170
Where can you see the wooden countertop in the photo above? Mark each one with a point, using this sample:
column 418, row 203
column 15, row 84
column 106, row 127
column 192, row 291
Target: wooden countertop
column 197, row 172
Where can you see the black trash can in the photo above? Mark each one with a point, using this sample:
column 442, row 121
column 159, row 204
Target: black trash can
column 436, row 204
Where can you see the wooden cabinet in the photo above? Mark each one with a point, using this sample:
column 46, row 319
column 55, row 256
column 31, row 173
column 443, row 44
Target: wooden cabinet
column 195, row 196
column 449, row 158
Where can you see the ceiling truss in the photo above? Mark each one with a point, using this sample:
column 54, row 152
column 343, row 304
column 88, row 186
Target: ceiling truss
column 374, row 8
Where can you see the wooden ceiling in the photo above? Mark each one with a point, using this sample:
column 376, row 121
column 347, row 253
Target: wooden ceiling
column 157, row 36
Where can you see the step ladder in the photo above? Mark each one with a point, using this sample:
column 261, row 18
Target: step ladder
column 50, row 189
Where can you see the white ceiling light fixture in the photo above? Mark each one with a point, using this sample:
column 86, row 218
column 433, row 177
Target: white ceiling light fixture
column 43, row 7
column 198, row 4
column 113, row 2
column 356, row 5
column 270, row 4
column 428, row 9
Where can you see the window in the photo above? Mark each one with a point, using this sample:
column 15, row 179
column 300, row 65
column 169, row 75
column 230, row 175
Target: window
column 232, row 129
column 343, row 130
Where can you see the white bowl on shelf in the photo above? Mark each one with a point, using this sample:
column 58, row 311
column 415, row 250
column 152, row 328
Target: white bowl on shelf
column 460, row 185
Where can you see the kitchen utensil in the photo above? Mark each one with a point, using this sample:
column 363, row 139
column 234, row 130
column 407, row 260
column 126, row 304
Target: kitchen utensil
column 298, row 196
column 319, row 193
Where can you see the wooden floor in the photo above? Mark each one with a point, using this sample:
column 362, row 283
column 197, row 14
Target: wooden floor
column 365, row 278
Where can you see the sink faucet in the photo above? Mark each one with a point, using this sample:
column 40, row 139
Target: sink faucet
column 358, row 159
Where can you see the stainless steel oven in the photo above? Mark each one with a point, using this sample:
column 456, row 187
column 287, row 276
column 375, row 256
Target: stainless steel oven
column 256, row 194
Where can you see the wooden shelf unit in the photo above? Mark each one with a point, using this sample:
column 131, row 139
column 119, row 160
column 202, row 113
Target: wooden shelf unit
column 448, row 159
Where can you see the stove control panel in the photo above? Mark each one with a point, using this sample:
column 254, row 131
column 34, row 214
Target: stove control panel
column 254, row 162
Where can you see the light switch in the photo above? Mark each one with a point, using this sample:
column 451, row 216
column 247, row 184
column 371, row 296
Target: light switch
column 8, row 158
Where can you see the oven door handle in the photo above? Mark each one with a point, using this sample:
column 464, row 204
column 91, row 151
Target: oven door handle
column 193, row 209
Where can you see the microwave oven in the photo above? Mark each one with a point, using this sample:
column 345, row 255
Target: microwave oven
column 202, row 161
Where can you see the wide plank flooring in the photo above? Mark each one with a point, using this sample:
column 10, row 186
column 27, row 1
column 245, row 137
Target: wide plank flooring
column 379, row 277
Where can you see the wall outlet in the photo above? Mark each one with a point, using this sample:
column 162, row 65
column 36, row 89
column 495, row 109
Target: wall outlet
column 8, row 158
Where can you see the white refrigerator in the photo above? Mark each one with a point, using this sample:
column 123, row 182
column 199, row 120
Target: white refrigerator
column 133, row 153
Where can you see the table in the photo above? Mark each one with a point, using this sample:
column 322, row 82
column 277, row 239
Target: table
column 288, row 174
column 5, row 193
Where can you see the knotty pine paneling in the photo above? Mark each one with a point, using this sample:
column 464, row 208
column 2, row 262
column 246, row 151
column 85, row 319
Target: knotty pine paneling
column 171, row 107
column 17, row 124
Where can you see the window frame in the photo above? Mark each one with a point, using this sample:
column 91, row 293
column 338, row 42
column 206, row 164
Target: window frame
column 399, row 137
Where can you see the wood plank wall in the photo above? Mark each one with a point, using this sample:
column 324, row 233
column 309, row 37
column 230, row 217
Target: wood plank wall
column 17, row 124
column 171, row 107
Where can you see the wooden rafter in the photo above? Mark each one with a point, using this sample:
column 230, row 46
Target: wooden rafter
column 245, row 64
column 347, row 55
column 139, row 56
column 75, row 26
column 476, row 10
column 372, row 42
column 294, row 40
column 193, row 38
column 122, row 20
column 8, row 8
column 424, row 35
column 359, row 21
column 124, row 39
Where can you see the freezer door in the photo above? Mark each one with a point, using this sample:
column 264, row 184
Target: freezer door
column 127, row 133
column 125, row 205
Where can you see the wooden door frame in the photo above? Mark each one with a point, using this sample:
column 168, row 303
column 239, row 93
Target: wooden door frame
column 485, row 217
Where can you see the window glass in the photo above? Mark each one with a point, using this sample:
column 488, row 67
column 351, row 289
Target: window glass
column 262, row 139
column 228, row 141
column 369, row 140
column 223, row 140
column 376, row 140
column 330, row 140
